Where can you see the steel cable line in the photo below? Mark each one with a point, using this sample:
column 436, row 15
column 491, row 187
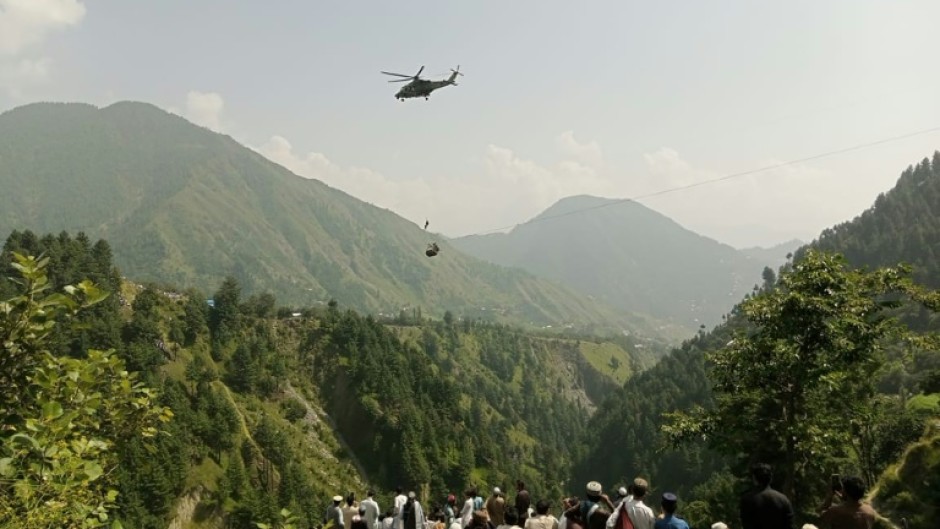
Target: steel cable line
column 718, row 179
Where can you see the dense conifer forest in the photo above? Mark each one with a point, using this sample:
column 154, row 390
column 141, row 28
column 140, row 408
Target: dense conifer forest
column 283, row 408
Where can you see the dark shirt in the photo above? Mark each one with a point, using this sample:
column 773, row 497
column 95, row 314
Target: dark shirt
column 522, row 503
column 766, row 509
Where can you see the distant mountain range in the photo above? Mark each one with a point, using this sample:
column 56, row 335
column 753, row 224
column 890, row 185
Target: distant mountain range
column 186, row 206
column 775, row 255
column 627, row 255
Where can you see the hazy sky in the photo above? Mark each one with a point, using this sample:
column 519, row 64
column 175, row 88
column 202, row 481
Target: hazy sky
column 560, row 98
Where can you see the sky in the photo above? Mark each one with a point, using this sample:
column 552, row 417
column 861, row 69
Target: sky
column 609, row 98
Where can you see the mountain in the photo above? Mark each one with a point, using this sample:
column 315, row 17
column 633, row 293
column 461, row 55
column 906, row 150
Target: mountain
column 902, row 225
column 776, row 255
column 624, row 437
column 182, row 205
column 627, row 255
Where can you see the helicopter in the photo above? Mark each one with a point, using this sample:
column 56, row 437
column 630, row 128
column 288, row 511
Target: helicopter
column 421, row 87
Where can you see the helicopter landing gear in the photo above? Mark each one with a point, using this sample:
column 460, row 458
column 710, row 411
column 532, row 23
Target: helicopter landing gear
column 425, row 98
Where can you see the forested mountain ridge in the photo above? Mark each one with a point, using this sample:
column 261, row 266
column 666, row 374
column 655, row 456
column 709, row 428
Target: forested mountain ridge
column 625, row 435
column 902, row 225
column 627, row 255
column 276, row 409
column 186, row 206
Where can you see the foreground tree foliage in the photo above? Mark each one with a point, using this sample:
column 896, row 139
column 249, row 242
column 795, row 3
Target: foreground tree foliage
column 796, row 389
column 61, row 417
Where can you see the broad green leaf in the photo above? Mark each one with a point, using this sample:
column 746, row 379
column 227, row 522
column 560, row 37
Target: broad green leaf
column 93, row 470
column 7, row 469
column 51, row 410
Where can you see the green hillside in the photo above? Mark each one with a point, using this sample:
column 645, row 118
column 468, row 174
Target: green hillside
column 625, row 436
column 911, row 489
column 629, row 256
column 274, row 409
column 186, row 206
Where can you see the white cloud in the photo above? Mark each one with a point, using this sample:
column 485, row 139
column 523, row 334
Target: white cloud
column 509, row 190
column 18, row 75
column 205, row 108
column 757, row 209
column 588, row 153
column 24, row 25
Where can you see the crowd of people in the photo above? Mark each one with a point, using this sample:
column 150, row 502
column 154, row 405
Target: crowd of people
column 761, row 508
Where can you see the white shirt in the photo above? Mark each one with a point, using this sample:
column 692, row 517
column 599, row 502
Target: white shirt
column 466, row 513
column 641, row 515
column 400, row 500
column 371, row 513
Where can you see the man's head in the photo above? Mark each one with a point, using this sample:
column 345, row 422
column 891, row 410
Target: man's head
column 337, row 499
column 451, row 499
column 370, row 493
column 468, row 493
column 639, row 488
column 350, row 498
column 762, row 474
column 542, row 507
column 594, row 489
column 496, row 492
column 398, row 489
column 854, row 487
column 520, row 485
column 669, row 503
column 622, row 492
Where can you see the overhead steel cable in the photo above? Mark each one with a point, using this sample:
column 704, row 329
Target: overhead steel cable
column 717, row 179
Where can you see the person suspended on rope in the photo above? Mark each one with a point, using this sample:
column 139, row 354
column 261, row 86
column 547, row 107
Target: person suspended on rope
column 433, row 249
column 426, row 222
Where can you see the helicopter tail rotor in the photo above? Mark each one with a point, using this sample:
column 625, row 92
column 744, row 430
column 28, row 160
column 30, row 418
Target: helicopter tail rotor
column 453, row 75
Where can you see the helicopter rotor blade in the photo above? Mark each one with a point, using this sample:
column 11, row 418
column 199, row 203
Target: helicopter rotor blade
column 419, row 72
column 402, row 80
column 396, row 74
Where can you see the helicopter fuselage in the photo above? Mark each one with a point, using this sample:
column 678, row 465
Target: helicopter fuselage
column 420, row 88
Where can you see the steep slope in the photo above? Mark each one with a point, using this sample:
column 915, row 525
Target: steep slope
column 624, row 435
column 629, row 256
column 183, row 205
column 902, row 225
column 272, row 409
column 911, row 489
